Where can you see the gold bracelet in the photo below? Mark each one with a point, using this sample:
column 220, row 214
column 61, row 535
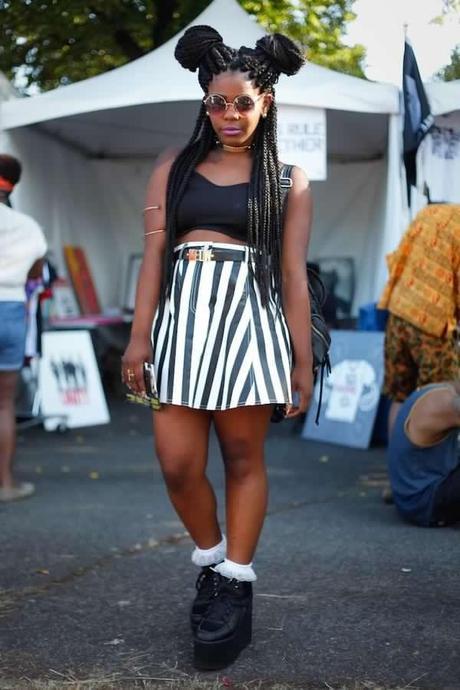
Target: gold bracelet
column 151, row 208
column 154, row 232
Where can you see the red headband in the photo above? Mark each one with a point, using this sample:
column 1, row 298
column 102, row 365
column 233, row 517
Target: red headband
column 6, row 185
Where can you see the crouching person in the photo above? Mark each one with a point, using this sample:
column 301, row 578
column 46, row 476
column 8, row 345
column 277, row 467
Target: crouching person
column 423, row 458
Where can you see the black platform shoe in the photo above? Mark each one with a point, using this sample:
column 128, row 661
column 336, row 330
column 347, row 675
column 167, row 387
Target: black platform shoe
column 226, row 628
column 206, row 585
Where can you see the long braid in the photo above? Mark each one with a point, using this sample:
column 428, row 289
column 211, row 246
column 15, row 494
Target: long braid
column 202, row 48
column 264, row 220
column 199, row 145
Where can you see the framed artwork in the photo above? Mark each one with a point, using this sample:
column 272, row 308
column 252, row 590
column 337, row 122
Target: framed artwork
column 64, row 303
column 338, row 276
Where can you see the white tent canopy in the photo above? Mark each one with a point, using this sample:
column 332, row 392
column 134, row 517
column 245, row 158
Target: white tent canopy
column 444, row 96
column 6, row 89
column 88, row 148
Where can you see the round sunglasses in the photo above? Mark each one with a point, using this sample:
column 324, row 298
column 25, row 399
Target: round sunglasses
column 217, row 105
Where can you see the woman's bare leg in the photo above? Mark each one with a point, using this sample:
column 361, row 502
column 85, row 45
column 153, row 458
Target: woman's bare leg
column 181, row 443
column 8, row 383
column 242, row 433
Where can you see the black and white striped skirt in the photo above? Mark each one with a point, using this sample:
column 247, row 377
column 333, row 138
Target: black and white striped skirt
column 215, row 346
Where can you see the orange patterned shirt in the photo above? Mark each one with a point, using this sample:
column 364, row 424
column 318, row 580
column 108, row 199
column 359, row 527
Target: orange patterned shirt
column 424, row 283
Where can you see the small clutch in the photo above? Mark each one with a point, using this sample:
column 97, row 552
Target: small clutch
column 150, row 399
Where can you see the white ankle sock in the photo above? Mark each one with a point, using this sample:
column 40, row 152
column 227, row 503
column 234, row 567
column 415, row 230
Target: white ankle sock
column 215, row 554
column 230, row 569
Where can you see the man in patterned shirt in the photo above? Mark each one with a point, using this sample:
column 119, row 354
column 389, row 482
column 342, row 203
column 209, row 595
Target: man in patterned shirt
column 423, row 298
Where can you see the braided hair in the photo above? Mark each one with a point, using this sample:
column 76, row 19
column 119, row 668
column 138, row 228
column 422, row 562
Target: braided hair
column 202, row 48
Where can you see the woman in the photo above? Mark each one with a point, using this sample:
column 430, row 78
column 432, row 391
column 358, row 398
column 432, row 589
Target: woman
column 226, row 278
column 22, row 248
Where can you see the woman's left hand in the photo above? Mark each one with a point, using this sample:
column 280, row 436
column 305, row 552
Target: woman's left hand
column 302, row 389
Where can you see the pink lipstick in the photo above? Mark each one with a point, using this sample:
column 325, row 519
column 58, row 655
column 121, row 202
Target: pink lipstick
column 231, row 131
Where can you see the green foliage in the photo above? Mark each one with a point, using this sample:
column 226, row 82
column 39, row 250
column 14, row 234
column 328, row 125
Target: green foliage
column 452, row 70
column 52, row 42
column 318, row 25
column 47, row 43
column 449, row 8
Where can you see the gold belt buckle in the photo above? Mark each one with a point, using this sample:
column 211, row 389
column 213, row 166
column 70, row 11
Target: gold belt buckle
column 200, row 255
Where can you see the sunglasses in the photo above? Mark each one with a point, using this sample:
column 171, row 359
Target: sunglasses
column 217, row 105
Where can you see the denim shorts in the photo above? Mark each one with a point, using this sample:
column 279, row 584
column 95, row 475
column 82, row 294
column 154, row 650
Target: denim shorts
column 12, row 335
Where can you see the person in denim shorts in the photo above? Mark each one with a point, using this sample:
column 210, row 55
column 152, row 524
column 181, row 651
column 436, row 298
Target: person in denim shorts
column 23, row 247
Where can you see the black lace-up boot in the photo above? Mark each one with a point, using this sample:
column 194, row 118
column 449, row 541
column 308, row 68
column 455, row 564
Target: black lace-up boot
column 226, row 627
column 206, row 585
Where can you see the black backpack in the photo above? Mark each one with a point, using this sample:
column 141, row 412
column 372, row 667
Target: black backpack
column 320, row 336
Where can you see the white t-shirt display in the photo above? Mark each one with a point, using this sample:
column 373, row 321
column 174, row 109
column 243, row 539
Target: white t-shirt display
column 22, row 243
column 354, row 386
column 438, row 160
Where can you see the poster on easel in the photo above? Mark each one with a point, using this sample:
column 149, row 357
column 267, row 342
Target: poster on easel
column 351, row 393
column 71, row 392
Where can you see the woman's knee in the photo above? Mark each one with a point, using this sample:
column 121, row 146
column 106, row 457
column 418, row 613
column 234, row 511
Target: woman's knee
column 179, row 468
column 241, row 458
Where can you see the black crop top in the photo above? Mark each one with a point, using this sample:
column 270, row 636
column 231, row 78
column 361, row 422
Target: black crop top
column 209, row 206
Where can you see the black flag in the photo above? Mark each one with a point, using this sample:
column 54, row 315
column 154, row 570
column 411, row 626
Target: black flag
column 417, row 115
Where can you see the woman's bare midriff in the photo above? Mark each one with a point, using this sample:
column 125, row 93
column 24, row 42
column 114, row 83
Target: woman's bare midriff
column 198, row 235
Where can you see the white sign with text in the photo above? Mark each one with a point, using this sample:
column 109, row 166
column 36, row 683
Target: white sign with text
column 302, row 139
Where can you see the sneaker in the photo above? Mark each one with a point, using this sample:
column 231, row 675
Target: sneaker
column 206, row 585
column 226, row 627
column 16, row 492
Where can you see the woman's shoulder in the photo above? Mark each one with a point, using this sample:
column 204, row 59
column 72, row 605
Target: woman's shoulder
column 166, row 158
column 298, row 175
column 162, row 166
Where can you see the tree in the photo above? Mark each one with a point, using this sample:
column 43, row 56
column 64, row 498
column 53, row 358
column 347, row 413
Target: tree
column 451, row 6
column 452, row 70
column 47, row 43
column 318, row 25
column 51, row 42
column 448, row 8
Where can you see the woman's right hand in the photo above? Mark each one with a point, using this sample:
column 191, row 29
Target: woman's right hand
column 139, row 350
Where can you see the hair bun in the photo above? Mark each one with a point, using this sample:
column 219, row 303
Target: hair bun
column 196, row 42
column 284, row 55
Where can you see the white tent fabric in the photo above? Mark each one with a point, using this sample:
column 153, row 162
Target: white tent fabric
column 88, row 149
column 158, row 78
column 444, row 96
column 6, row 89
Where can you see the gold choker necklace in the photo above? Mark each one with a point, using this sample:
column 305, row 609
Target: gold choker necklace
column 234, row 149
